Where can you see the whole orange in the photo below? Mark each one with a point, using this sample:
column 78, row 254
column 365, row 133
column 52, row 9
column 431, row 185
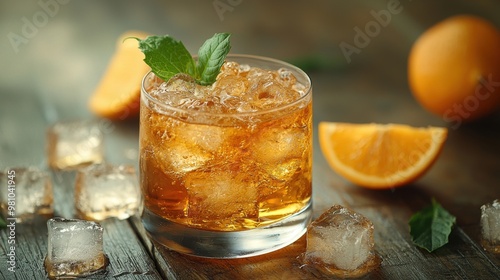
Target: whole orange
column 454, row 69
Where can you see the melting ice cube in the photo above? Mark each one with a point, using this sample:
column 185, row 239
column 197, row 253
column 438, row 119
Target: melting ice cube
column 75, row 247
column 276, row 145
column 490, row 226
column 340, row 242
column 205, row 137
column 25, row 193
column 182, row 158
column 104, row 190
column 182, row 148
column 281, row 151
column 231, row 85
column 221, row 195
column 74, row 144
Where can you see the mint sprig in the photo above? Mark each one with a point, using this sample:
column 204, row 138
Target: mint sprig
column 211, row 56
column 431, row 226
column 168, row 57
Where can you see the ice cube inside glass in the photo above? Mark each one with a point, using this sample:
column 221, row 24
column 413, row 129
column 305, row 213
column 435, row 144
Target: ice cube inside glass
column 226, row 169
column 73, row 144
column 26, row 193
column 103, row 191
column 75, row 248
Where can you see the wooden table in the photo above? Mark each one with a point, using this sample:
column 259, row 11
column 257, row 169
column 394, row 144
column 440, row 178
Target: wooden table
column 54, row 71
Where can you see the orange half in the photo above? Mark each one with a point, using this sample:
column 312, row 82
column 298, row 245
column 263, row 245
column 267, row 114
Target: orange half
column 380, row 156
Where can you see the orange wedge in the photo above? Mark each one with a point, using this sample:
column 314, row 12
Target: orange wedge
column 380, row 156
column 118, row 93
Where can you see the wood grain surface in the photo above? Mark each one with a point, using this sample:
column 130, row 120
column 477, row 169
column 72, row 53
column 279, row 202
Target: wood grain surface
column 51, row 75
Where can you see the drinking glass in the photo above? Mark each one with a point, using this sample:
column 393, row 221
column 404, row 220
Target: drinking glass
column 228, row 183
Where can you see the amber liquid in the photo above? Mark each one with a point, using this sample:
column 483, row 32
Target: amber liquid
column 226, row 178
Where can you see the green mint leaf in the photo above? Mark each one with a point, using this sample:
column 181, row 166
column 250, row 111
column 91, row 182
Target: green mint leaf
column 166, row 56
column 430, row 227
column 211, row 56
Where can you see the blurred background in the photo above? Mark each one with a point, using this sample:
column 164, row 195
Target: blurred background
column 54, row 52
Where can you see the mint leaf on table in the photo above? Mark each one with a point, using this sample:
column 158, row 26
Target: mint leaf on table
column 430, row 227
column 211, row 57
column 168, row 57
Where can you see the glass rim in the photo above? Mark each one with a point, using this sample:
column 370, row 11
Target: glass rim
column 307, row 85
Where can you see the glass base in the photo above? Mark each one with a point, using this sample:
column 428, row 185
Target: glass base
column 222, row 244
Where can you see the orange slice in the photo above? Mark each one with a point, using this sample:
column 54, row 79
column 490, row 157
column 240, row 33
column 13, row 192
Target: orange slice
column 380, row 156
column 118, row 93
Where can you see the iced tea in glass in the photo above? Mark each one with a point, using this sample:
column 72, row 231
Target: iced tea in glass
column 226, row 169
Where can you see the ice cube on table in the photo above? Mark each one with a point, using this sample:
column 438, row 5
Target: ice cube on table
column 340, row 243
column 75, row 248
column 74, row 144
column 490, row 226
column 26, row 193
column 104, row 190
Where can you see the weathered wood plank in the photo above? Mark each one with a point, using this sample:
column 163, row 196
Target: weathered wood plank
column 373, row 88
column 128, row 258
column 22, row 142
column 30, row 251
